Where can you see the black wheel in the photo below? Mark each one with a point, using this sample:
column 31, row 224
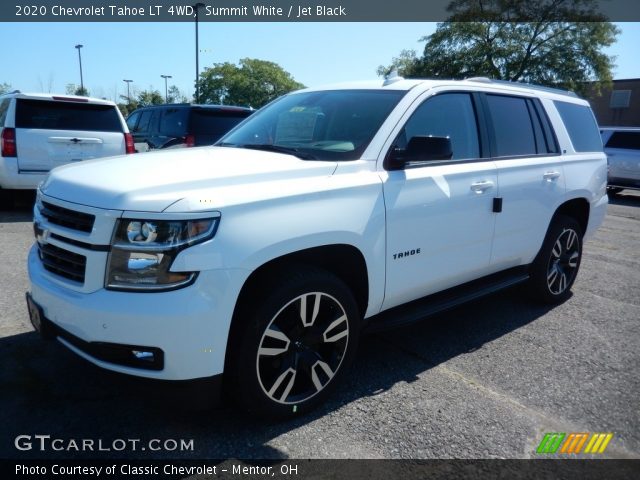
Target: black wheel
column 296, row 345
column 556, row 266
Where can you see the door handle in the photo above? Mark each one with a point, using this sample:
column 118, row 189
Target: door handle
column 480, row 187
column 551, row 176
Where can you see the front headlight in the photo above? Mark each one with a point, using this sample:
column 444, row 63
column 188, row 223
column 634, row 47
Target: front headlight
column 143, row 251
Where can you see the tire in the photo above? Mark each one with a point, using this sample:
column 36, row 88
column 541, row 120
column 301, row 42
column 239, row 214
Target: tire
column 297, row 343
column 556, row 266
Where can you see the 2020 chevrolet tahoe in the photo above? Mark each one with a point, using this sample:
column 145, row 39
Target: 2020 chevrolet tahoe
column 259, row 261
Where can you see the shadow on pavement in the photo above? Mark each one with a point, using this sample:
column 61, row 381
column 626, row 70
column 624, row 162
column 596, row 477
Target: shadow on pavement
column 48, row 390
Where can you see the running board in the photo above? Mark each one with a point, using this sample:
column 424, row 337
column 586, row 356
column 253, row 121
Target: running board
column 439, row 302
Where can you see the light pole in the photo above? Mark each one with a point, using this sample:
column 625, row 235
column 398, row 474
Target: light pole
column 79, row 46
column 197, row 6
column 128, row 92
column 166, row 98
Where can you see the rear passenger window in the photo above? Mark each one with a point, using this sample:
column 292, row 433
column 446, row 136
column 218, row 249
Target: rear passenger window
column 448, row 115
column 4, row 107
column 627, row 140
column 513, row 127
column 49, row 115
column 581, row 126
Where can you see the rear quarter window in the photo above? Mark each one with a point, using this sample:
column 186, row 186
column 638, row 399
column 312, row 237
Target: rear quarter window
column 57, row 115
column 626, row 140
column 214, row 122
column 581, row 126
column 4, row 108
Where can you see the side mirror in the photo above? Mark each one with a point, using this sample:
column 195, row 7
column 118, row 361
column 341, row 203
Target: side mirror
column 420, row 148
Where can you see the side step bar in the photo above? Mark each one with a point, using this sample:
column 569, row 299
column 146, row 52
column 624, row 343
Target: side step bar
column 438, row 302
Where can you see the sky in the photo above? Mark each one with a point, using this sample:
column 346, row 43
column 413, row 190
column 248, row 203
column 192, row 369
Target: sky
column 40, row 57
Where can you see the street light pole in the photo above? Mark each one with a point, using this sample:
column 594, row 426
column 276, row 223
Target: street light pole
column 166, row 98
column 128, row 92
column 197, row 6
column 79, row 46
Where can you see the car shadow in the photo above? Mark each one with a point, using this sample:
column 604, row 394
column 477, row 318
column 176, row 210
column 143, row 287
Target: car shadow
column 626, row 198
column 16, row 206
column 46, row 389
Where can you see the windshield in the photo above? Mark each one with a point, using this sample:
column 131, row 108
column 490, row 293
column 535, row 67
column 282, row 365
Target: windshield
column 326, row 125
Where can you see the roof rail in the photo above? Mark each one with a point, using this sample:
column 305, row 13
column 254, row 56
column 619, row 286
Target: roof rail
column 524, row 84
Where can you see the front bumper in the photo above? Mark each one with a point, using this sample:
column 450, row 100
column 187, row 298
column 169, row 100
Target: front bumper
column 189, row 326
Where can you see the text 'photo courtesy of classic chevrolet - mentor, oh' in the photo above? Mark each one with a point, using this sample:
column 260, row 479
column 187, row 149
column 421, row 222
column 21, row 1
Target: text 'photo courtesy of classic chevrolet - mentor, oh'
column 258, row 262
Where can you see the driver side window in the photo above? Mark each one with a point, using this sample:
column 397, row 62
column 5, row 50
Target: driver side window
column 449, row 115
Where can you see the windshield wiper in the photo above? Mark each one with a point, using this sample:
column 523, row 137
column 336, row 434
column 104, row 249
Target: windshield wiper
column 268, row 147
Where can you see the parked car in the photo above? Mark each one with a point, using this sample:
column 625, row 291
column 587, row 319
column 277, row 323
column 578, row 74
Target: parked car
column 42, row 131
column 622, row 146
column 182, row 125
column 258, row 262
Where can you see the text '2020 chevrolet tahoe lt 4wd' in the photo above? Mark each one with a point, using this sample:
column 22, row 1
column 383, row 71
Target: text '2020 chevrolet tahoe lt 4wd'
column 259, row 261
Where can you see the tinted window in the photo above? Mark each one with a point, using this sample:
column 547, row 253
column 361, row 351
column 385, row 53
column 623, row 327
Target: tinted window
column 173, row 122
column 4, row 106
column 67, row 116
column 145, row 118
column 629, row 140
column 449, row 115
column 214, row 123
column 325, row 125
column 132, row 120
column 581, row 126
column 513, row 129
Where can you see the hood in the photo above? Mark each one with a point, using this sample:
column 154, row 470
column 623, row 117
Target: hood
column 151, row 182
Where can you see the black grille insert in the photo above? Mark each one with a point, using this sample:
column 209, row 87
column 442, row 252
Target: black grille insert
column 63, row 262
column 67, row 218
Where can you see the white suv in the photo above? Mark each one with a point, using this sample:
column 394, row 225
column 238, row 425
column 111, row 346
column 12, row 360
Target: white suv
column 258, row 262
column 41, row 131
column 622, row 146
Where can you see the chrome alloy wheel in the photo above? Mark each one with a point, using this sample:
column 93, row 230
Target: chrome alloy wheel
column 302, row 348
column 563, row 262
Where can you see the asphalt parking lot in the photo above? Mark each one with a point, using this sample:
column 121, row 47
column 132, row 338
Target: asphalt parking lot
column 487, row 380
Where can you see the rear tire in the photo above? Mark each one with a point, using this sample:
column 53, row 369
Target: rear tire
column 298, row 341
column 556, row 266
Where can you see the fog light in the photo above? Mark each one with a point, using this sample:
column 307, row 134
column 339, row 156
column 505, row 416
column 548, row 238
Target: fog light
column 142, row 355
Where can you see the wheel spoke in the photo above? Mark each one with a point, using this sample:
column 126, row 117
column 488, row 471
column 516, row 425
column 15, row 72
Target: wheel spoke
column 557, row 249
column 303, row 308
column 314, row 374
column 573, row 260
column 290, row 372
column 562, row 283
column 571, row 238
column 274, row 333
column 337, row 336
column 551, row 278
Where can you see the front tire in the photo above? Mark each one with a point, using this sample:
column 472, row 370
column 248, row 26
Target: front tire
column 556, row 266
column 297, row 342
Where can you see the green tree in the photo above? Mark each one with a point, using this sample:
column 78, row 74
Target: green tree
column 174, row 95
column 541, row 47
column 252, row 83
column 150, row 97
column 4, row 88
column 73, row 89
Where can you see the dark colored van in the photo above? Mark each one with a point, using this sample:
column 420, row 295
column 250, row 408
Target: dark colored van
column 182, row 125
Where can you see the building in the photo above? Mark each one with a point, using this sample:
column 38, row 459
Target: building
column 618, row 106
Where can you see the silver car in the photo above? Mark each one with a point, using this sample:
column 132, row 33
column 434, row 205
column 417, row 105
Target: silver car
column 622, row 146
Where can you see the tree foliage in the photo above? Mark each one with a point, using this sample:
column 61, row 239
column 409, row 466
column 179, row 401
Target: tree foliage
column 550, row 42
column 251, row 83
column 73, row 89
column 4, row 88
column 149, row 97
column 175, row 95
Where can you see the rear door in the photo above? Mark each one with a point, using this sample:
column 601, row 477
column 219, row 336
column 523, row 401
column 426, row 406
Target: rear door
column 531, row 181
column 50, row 133
column 208, row 125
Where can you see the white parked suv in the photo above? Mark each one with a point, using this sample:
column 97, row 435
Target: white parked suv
column 41, row 131
column 258, row 262
column 622, row 146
